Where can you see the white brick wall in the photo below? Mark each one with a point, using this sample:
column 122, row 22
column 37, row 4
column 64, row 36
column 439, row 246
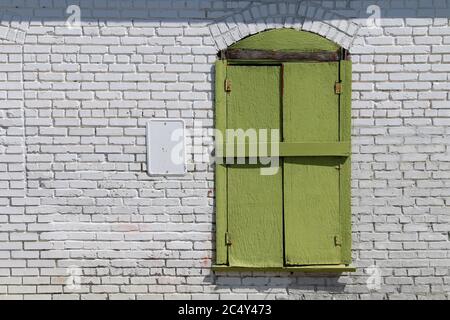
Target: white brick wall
column 73, row 185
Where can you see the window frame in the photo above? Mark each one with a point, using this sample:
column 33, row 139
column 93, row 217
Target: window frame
column 221, row 221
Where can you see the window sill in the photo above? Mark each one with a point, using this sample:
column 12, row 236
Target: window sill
column 314, row 268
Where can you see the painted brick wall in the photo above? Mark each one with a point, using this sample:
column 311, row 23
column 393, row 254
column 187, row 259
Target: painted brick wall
column 81, row 219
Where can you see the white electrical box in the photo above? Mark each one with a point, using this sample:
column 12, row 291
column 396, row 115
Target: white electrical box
column 166, row 154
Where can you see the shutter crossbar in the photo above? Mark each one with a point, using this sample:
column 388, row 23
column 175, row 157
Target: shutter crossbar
column 290, row 149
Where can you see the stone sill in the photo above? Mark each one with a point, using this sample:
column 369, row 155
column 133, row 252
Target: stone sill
column 339, row 268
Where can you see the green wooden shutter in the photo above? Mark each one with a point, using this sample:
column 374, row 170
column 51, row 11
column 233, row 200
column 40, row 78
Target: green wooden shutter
column 254, row 201
column 345, row 100
column 311, row 184
column 300, row 216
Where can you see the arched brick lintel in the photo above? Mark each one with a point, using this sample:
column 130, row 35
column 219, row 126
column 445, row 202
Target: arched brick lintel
column 301, row 16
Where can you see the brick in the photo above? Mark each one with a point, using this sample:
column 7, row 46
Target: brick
column 73, row 188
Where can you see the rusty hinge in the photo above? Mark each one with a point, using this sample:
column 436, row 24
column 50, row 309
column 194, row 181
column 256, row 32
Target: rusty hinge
column 337, row 241
column 227, row 239
column 227, row 85
column 338, row 87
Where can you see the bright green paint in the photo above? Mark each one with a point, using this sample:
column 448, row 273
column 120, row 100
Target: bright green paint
column 311, row 210
column 254, row 217
column 254, row 100
column 221, row 170
column 314, row 149
column 310, row 105
column 250, row 206
column 254, row 200
column 294, row 149
column 311, row 184
column 345, row 135
column 286, row 40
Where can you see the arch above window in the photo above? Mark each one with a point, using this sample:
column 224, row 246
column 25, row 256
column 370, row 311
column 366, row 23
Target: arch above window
column 285, row 45
column 297, row 84
column 286, row 40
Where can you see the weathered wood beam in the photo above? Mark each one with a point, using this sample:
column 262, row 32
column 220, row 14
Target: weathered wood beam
column 246, row 54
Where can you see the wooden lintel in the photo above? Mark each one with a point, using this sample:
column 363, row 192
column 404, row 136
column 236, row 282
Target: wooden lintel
column 249, row 54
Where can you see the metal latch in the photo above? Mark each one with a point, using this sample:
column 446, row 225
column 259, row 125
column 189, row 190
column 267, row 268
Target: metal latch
column 337, row 241
column 227, row 85
column 338, row 87
column 227, row 239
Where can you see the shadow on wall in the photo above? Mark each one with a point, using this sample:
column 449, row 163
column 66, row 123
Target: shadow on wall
column 278, row 285
column 210, row 10
column 17, row 19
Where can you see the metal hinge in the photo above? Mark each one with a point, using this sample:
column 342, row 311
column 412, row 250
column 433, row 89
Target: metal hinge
column 337, row 241
column 338, row 87
column 227, row 85
column 227, row 239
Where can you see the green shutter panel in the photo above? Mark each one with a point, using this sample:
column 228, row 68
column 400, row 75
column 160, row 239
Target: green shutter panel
column 254, row 201
column 345, row 178
column 301, row 215
column 221, row 170
column 311, row 184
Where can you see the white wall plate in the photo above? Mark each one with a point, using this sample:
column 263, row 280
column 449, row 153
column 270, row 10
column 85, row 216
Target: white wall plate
column 166, row 150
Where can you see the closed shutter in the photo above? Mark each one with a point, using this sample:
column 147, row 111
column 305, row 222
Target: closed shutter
column 311, row 184
column 255, row 205
column 301, row 215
